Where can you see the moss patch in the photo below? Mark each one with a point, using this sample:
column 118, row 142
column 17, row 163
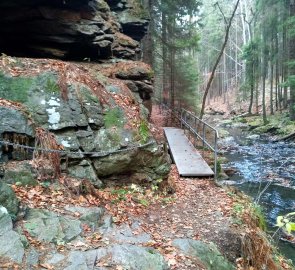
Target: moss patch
column 114, row 118
column 15, row 88
column 18, row 88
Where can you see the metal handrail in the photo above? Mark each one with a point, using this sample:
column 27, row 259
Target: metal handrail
column 184, row 120
column 182, row 116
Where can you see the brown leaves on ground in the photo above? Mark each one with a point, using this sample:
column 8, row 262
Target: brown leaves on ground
column 53, row 197
column 200, row 211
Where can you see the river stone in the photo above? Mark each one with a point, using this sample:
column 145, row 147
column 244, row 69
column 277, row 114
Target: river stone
column 49, row 109
column 8, row 199
column 22, row 175
column 49, row 227
column 68, row 140
column 125, row 255
column 10, row 244
column 90, row 215
column 136, row 72
column 207, row 253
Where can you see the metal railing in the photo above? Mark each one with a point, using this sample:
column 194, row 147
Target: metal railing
column 203, row 131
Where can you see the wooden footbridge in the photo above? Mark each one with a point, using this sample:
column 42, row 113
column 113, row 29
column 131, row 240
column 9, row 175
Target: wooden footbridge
column 185, row 155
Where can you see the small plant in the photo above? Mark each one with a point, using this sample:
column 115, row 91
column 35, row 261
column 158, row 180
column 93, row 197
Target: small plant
column 121, row 193
column 144, row 202
column 143, row 131
column 168, row 200
column 155, row 184
column 238, row 208
column 258, row 212
column 51, row 86
column 114, row 118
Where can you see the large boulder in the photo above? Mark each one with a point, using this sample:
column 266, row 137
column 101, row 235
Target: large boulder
column 93, row 114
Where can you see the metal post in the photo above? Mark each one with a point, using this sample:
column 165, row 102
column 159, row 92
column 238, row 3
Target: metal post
column 196, row 130
column 181, row 117
column 215, row 157
column 204, row 134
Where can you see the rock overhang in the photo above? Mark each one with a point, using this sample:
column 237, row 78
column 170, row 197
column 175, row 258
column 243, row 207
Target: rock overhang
column 68, row 29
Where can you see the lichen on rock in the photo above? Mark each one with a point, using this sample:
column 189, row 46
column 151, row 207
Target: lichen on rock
column 97, row 123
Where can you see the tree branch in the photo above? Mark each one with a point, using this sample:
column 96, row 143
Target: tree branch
column 218, row 59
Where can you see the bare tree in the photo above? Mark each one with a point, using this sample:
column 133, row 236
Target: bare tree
column 228, row 26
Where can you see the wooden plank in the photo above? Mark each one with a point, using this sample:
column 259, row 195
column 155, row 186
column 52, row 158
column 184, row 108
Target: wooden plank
column 188, row 160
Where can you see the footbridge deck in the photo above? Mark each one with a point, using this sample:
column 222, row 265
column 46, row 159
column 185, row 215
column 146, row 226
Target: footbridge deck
column 188, row 160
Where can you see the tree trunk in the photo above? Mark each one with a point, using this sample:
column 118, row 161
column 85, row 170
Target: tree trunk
column 218, row 59
column 147, row 42
column 264, row 73
column 292, row 67
column 165, row 85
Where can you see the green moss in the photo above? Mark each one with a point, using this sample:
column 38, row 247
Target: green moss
column 143, row 131
column 254, row 122
column 114, row 136
column 258, row 213
column 19, row 88
column 138, row 9
column 51, row 86
column 88, row 95
column 21, row 178
column 279, row 124
column 15, row 88
column 114, row 118
column 151, row 74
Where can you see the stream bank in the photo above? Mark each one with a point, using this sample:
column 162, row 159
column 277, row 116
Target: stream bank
column 262, row 168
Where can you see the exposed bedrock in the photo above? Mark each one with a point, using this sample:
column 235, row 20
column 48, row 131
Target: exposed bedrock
column 71, row 29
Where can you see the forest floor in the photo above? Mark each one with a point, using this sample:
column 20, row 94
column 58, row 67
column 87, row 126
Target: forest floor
column 201, row 211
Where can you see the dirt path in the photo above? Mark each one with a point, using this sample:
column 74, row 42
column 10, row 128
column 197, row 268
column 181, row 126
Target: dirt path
column 201, row 210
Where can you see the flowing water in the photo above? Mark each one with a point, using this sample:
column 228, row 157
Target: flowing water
column 265, row 171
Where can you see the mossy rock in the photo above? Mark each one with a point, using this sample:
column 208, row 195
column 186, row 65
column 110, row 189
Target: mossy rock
column 22, row 89
column 208, row 254
column 223, row 133
column 21, row 175
column 114, row 118
column 266, row 129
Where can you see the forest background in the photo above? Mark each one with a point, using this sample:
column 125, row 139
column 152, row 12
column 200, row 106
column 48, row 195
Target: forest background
column 256, row 68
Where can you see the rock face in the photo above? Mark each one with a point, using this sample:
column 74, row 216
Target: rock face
column 95, row 117
column 72, row 29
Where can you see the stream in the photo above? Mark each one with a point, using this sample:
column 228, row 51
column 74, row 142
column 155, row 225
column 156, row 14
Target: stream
column 265, row 171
